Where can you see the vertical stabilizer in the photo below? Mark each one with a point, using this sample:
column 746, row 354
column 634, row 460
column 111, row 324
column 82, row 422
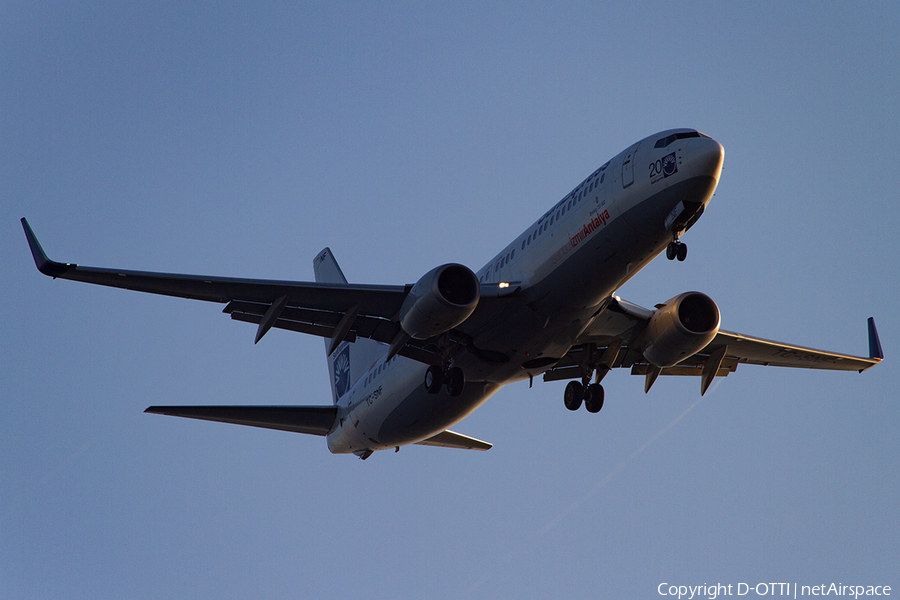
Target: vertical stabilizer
column 349, row 361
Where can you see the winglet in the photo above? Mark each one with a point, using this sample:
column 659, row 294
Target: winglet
column 44, row 264
column 874, row 343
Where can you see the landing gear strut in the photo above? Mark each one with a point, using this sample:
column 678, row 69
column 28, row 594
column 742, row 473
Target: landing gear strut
column 436, row 376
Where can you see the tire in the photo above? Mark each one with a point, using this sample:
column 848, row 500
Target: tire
column 681, row 253
column 671, row 251
column 456, row 381
column 434, row 379
column 593, row 401
column 574, row 395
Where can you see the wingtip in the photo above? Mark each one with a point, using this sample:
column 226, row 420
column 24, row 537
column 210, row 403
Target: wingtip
column 875, row 350
column 43, row 264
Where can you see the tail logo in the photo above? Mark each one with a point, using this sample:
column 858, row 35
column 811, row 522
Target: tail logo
column 342, row 370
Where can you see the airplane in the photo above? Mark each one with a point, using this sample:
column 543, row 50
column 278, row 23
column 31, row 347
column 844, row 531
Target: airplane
column 407, row 362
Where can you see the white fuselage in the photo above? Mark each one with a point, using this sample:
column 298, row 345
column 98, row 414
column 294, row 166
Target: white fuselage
column 564, row 267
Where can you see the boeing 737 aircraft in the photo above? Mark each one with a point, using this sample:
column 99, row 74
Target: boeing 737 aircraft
column 407, row 362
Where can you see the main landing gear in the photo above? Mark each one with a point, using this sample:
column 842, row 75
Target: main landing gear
column 436, row 376
column 596, row 365
column 592, row 396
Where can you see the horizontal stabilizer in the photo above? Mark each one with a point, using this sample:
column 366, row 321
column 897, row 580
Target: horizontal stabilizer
column 315, row 420
column 450, row 439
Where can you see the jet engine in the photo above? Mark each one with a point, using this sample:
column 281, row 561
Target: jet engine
column 680, row 328
column 442, row 299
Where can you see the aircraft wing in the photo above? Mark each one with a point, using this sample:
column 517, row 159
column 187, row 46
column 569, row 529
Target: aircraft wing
column 609, row 343
column 758, row 351
column 375, row 300
column 307, row 307
column 315, row 420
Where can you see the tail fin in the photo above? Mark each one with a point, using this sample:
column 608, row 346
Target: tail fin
column 349, row 361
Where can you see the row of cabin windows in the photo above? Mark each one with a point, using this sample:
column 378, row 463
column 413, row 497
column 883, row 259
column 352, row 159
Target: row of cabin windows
column 377, row 372
column 578, row 197
column 505, row 260
column 575, row 198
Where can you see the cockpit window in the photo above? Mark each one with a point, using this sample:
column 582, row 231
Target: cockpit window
column 663, row 142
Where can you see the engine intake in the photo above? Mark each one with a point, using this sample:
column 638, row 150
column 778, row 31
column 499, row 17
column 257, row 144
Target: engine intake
column 442, row 299
column 680, row 328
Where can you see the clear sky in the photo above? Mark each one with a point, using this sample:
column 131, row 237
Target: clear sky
column 232, row 138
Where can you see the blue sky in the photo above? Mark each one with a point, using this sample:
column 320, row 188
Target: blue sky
column 235, row 139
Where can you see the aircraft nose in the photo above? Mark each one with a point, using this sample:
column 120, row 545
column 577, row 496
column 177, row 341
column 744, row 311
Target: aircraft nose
column 706, row 157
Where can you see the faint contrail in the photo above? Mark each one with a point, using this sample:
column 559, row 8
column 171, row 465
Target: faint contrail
column 566, row 511
column 66, row 462
column 571, row 508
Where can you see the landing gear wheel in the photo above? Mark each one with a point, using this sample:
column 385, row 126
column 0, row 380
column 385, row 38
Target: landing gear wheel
column 574, row 395
column 676, row 250
column 434, row 379
column 671, row 251
column 456, row 381
column 593, row 398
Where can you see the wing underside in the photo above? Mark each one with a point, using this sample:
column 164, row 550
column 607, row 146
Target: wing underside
column 306, row 307
column 313, row 308
column 610, row 344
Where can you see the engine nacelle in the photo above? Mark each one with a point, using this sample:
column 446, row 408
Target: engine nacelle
column 680, row 328
column 442, row 299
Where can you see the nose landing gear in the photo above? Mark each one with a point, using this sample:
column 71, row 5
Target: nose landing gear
column 677, row 250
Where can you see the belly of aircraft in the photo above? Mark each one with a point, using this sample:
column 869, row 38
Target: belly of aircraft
column 554, row 310
column 542, row 324
column 422, row 415
column 404, row 418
